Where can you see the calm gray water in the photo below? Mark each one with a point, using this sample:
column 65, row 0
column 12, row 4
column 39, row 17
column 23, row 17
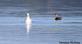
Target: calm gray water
column 44, row 30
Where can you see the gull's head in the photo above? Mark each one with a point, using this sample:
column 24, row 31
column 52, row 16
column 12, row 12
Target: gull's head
column 27, row 14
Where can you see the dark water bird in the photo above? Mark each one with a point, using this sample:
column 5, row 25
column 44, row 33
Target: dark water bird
column 57, row 17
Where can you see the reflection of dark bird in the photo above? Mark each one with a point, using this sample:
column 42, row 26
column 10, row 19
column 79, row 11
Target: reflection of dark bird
column 57, row 17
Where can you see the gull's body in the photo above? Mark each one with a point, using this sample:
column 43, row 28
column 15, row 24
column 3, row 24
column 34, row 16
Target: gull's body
column 28, row 22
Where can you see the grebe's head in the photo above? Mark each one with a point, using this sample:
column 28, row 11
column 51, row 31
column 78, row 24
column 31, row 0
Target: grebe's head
column 55, row 14
column 27, row 14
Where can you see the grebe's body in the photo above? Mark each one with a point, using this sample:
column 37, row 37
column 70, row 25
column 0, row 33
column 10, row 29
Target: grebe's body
column 57, row 17
column 28, row 22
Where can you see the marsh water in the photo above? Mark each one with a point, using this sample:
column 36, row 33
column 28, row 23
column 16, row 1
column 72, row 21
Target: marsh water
column 44, row 30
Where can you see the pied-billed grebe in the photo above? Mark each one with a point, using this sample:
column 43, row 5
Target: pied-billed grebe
column 57, row 17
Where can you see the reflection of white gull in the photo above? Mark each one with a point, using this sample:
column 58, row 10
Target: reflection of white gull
column 28, row 22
